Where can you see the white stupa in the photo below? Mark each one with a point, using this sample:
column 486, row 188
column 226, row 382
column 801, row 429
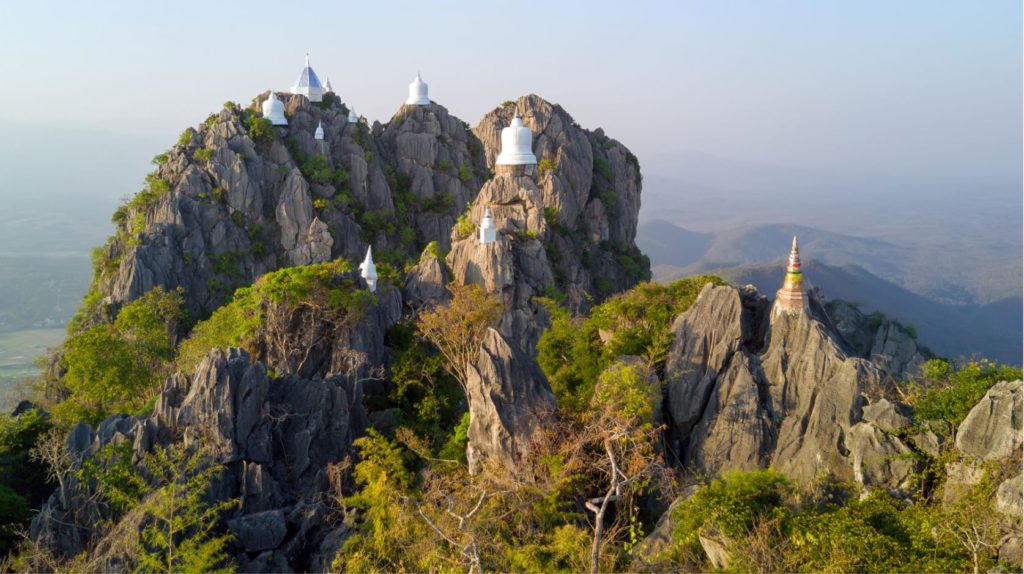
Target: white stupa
column 418, row 92
column 308, row 84
column 368, row 271
column 319, row 133
column 328, row 89
column 487, row 229
column 352, row 117
column 273, row 110
column 516, row 144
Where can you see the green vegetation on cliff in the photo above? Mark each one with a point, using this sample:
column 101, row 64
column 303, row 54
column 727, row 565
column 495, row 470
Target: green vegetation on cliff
column 574, row 351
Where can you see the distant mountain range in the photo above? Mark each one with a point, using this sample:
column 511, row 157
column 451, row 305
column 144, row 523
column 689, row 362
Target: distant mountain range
column 876, row 274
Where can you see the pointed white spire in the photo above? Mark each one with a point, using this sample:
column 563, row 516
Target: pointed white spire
column 328, row 89
column 488, row 232
column 319, row 133
column 368, row 271
column 418, row 92
column 352, row 117
column 273, row 110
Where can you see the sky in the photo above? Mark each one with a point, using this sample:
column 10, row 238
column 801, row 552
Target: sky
column 916, row 89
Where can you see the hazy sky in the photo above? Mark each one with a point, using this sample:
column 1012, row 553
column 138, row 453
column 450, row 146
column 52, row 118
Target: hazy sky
column 925, row 89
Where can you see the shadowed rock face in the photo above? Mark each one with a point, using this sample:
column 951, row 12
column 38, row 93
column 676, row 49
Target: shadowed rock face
column 440, row 163
column 509, row 398
column 747, row 389
column 276, row 437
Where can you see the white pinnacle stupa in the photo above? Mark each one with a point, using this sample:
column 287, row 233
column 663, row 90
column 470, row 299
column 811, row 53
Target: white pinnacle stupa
column 273, row 110
column 368, row 271
column 352, row 117
column 418, row 92
column 328, row 89
column 308, row 84
column 487, row 229
column 319, row 133
column 516, row 144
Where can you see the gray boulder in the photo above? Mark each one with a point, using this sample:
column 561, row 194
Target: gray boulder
column 992, row 430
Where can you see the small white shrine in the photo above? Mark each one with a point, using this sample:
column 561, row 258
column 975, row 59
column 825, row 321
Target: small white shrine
column 516, row 144
column 418, row 92
column 308, row 84
column 273, row 110
column 488, row 232
column 319, row 133
column 328, row 89
column 368, row 271
column 352, row 117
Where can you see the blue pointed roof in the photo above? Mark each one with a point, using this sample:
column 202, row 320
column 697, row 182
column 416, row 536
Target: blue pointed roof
column 308, row 79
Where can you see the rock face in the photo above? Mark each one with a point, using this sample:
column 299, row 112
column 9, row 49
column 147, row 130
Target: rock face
column 888, row 344
column 992, row 430
column 508, row 397
column 747, row 389
column 438, row 165
column 276, row 437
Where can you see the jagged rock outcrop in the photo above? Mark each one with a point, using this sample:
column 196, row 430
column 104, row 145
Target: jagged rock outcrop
column 588, row 191
column 508, row 398
column 230, row 203
column 747, row 389
column 425, row 282
column 438, row 165
column 888, row 344
column 277, row 438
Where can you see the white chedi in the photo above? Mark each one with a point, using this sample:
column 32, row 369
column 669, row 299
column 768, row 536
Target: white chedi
column 308, row 84
column 516, row 144
column 273, row 110
column 488, row 233
column 418, row 92
column 368, row 271
column 352, row 117
column 328, row 89
column 319, row 133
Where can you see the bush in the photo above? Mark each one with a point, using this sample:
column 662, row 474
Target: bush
column 947, row 391
column 260, row 129
column 324, row 286
column 545, row 165
column 464, row 173
column 464, row 226
column 204, row 154
column 186, row 137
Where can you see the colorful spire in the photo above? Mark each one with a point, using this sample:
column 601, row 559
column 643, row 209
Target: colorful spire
column 794, row 275
column 791, row 298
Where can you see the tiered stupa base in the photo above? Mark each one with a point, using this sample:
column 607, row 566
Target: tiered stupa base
column 788, row 300
column 516, row 170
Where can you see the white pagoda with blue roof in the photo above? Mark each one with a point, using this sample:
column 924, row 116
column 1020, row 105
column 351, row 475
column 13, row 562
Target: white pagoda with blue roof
column 308, row 84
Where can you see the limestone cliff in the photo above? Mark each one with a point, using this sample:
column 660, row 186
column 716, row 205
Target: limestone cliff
column 748, row 388
column 281, row 440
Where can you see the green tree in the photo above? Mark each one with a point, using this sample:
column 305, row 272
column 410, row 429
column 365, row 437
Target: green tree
column 457, row 328
column 180, row 536
column 119, row 366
